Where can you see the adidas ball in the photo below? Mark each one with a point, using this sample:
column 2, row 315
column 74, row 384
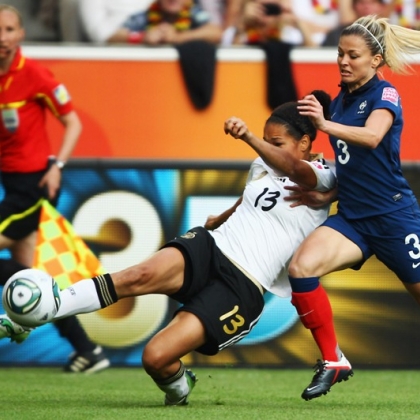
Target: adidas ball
column 31, row 297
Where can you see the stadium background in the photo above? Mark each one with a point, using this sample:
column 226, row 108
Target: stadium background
column 149, row 166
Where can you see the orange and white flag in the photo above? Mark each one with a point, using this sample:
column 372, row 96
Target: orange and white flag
column 61, row 252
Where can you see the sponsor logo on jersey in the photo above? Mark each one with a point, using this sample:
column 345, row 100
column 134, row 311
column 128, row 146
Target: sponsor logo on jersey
column 188, row 235
column 61, row 94
column 391, row 95
column 281, row 178
column 362, row 107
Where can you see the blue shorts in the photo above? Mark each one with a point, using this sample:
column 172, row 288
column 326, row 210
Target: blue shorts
column 394, row 238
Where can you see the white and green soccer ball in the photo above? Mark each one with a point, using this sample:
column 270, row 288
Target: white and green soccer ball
column 31, row 297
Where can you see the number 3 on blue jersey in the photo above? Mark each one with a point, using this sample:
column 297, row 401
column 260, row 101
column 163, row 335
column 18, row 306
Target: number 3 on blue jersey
column 344, row 157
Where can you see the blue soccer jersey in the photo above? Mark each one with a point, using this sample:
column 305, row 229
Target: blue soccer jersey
column 370, row 181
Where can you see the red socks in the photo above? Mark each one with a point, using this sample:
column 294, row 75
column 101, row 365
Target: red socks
column 315, row 313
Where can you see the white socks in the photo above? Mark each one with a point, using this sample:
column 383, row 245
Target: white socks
column 79, row 298
column 176, row 389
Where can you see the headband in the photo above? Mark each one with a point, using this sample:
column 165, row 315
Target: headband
column 371, row 34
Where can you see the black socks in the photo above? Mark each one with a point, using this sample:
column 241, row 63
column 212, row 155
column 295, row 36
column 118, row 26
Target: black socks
column 105, row 289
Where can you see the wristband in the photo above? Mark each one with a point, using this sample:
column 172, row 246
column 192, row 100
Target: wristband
column 135, row 37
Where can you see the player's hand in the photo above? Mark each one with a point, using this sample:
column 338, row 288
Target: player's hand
column 310, row 107
column 302, row 197
column 212, row 223
column 237, row 128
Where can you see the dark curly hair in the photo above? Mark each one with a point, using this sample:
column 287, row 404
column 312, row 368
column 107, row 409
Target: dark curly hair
column 298, row 125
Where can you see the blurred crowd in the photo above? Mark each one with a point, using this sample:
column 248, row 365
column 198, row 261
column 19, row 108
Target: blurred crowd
column 221, row 22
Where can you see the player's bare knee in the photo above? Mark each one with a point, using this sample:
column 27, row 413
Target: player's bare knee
column 299, row 269
column 153, row 359
column 304, row 267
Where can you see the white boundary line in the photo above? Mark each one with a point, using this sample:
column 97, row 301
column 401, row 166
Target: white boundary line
column 135, row 53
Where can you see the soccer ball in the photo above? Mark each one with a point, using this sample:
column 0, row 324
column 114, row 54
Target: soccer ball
column 31, row 297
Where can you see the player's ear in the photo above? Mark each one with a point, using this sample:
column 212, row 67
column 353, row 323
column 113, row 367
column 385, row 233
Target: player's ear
column 377, row 61
column 305, row 143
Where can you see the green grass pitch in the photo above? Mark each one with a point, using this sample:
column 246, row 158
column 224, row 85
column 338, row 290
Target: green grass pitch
column 221, row 393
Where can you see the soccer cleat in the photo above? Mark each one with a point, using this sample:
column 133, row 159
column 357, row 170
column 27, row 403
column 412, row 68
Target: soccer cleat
column 15, row 332
column 326, row 375
column 191, row 380
column 88, row 362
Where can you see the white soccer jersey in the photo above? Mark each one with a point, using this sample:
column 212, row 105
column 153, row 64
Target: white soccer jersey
column 264, row 231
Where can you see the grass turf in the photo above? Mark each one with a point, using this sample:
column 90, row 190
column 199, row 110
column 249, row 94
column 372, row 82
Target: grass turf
column 221, row 393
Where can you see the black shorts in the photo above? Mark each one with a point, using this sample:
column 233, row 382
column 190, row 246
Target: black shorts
column 227, row 302
column 21, row 207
